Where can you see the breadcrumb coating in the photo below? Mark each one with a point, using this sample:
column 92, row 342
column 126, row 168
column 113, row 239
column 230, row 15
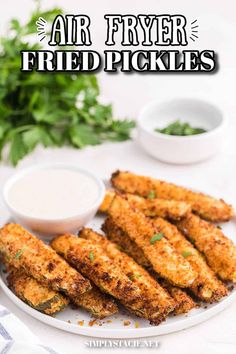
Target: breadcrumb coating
column 156, row 302
column 170, row 209
column 207, row 207
column 206, row 286
column 90, row 259
column 183, row 302
column 219, row 250
column 163, row 257
column 21, row 249
column 34, row 294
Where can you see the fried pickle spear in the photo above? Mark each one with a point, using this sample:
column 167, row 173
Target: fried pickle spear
column 126, row 244
column 91, row 260
column 207, row 207
column 100, row 305
column 220, row 252
column 163, row 257
column 34, row 294
column 20, row 249
column 206, row 286
column 170, row 209
column 50, row 302
column 183, row 302
column 157, row 303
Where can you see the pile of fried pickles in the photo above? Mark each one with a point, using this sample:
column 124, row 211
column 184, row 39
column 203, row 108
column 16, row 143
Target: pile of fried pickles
column 160, row 254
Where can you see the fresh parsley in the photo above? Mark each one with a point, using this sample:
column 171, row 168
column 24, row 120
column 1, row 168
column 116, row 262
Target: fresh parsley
column 185, row 254
column 51, row 109
column 181, row 129
column 151, row 195
column 156, row 237
column 19, row 254
column 91, row 256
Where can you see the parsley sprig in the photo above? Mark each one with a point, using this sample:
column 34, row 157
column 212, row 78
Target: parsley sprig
column 51, row 109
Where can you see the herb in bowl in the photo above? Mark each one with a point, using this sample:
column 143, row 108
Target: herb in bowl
column 180, row 129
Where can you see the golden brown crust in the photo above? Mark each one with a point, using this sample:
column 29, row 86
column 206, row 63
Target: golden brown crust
column 109, row 196
column 163, row 257
column 183, row 302
column 100, row 305
column 23, row 250
column 156, row 303
column 206, row 286
column 90, row 259
column 34, row 294
column 207, row 207
column 220, row 252
column 170, row 209
column 116, row 235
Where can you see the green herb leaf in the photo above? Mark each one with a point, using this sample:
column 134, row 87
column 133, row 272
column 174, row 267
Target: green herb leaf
column 19, row 253
column 52, row 109
column 17, row 150
column 156, row 237
column 180, row 129
column 91, row 256
column 185, row 254
column 192, row 241
column 82, row 135
column 138, row 276
column 151, row 195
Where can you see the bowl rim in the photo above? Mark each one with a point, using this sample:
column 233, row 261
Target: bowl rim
column 44, row 166
column 141, row 119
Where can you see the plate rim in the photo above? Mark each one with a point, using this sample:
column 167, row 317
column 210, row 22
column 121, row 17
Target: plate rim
column 124, row 333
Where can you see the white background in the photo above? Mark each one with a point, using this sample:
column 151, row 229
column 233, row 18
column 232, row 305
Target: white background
column 128, row 93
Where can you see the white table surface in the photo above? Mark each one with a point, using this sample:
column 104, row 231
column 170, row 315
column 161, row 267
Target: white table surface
column 217, row 335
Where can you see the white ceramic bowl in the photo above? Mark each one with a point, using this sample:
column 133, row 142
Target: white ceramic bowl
column 181, row 149
column 51, row 226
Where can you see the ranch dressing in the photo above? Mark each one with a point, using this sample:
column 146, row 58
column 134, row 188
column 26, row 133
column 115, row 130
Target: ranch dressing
column 53, row 193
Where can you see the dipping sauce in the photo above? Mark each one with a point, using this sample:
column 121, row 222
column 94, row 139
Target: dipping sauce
column 54, row 193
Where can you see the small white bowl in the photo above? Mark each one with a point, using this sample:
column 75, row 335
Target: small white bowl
column 181, row 149
column 47, row 226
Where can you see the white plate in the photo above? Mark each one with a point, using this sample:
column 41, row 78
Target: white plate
column 116, row 328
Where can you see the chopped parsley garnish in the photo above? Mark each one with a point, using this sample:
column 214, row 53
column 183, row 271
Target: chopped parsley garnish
column 156, row 237
column 192, row 241
column 185, row 254
column 180, row 129
column 19, row 254
column 138, row 275
column 133, row 276
column 91, row 256
column 151, row 195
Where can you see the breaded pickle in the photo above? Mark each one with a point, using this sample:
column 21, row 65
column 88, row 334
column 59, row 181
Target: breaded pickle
column 21, row 249
column 170, row 209
column 90, row 259
column 162, row 256
column 156, row 302
column 207, row 207
column 34, row 294
column 100, row 305
column 206, row 286
column 219, row 250
column 183, row 302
